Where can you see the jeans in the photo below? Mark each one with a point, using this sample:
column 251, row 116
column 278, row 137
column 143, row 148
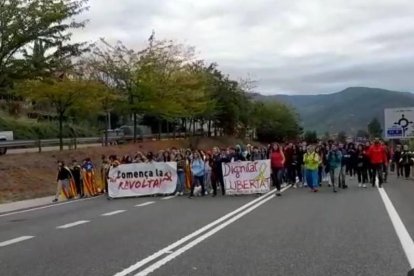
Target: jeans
column 312, row 178
column 180, row 181
column 377, row 170
column 362, row 175
column 207, row 181
column 218, row 178
column 334, row 174
column 199, row 180
column 277, row 177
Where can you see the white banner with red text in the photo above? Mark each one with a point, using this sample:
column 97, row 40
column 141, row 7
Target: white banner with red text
column 247, row 177
column 140, row 179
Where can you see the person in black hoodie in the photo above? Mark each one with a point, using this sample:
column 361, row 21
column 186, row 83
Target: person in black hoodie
column 396, row 160
column 406, row 161
column 299, row 164
column 362, row 163
column 352, row 159
column 217, row 170
column 76, row 171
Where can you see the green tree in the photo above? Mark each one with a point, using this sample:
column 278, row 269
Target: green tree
column 362, row 134
column 65, row 95
column 374, row 128
column 274, row 122
column 326, row 136
column 28, row 29
column 342, row 137
column 311, row 137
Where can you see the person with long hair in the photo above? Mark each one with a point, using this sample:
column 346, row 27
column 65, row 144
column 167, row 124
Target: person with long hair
column 197, row 169
column 208, row 172
column 277, row 161
column 312, row 161
column 334, row 160
column 180, row 174
column 362, row 163
column 166, row 157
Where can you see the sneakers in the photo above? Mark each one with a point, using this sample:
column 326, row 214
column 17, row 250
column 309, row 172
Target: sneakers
column 278, row 193
column 55, row 200
column 364, row 185
column 295, row 186
column 177, row 193
column 182, row 193
column 359, row 185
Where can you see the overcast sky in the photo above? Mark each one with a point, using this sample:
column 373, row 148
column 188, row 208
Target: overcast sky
column 287, row 46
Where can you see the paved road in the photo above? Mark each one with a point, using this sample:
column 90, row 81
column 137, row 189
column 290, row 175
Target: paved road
column 300, row 233
column 54, row 148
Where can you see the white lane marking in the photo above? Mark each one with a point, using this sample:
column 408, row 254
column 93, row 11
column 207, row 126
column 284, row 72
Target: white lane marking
column 16, row 240
column 76, row 223
column 113, row 213
column 145, row 204
column 168, row 197
column 170, row 248
column 47, row 206
column 188, row 246
column 402, row 233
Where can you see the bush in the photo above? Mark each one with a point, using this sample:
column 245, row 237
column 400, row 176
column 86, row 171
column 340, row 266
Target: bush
column 31, row 130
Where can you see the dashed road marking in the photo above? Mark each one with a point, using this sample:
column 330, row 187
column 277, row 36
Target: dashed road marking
column 168, row 197
column 16, row 240
column 113, row 213
column 73, row 224
column 145, row 204
column 193, row 235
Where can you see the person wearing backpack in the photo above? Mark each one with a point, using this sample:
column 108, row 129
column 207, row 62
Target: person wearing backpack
column 334, row 161
column 406, row 161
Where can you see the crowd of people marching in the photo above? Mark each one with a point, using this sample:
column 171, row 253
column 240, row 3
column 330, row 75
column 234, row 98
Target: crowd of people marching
column 295, row 164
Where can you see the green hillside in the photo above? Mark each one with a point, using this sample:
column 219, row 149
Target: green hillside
column 348, row 110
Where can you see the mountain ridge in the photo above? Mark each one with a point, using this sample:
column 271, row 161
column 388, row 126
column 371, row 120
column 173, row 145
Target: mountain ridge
column 348, row 110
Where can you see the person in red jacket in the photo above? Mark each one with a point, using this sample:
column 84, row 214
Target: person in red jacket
column 277, row 161
column 378, row 158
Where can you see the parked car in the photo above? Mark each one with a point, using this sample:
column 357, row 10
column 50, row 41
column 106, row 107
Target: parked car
column 5, row 136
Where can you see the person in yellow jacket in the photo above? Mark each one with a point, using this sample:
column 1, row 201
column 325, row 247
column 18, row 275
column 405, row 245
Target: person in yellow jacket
column 311, row 161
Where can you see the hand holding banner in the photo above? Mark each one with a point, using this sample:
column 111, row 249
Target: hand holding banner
column 139, row 179
column 247, row 177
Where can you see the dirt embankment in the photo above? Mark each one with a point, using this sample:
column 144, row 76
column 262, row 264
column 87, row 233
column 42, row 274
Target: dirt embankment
column 32, row 175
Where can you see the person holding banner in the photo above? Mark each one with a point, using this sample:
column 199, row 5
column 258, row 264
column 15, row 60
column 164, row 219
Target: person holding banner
column 277, row 162
column 88, row 176
column 180, row 174
column 217, row 171
column 63, row 181
column 197, row 169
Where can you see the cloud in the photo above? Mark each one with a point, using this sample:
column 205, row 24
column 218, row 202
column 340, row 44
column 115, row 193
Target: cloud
column 297, row 46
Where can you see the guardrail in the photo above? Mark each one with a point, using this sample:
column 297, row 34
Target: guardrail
column 73, row 142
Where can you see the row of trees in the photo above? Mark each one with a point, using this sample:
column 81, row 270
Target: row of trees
column 373, row 130
column 165, row 81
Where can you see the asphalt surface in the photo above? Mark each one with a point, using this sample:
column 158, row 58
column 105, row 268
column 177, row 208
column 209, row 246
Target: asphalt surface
column 300, row 233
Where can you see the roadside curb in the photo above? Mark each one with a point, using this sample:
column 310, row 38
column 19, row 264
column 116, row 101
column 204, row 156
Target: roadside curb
column 44, row 205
